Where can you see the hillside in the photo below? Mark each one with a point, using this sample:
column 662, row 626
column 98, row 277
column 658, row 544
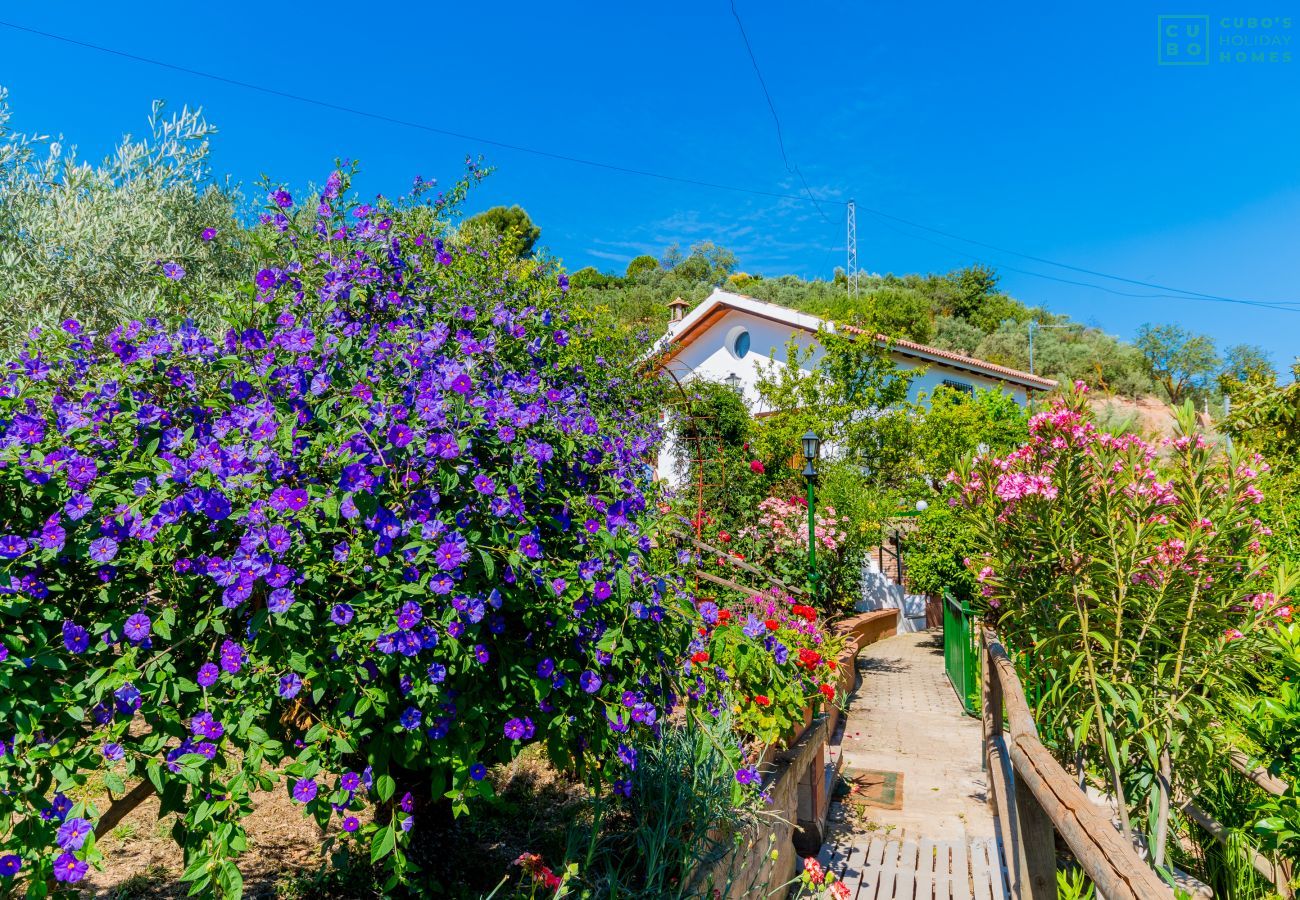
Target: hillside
column 963, row 310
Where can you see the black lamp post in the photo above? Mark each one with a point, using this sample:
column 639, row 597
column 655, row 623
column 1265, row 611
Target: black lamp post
column 733, row 382
column 812, row 446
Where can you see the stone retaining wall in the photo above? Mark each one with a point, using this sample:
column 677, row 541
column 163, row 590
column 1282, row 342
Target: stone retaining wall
column 767, row 856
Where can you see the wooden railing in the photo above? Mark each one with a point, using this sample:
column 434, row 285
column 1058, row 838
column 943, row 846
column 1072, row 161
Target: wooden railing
column 1278, row 872
column 1036, row 799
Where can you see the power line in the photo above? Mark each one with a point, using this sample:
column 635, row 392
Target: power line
column 407, row 123
column 780, row 137
column 1171, row 292
column 1096, row 287
column 1279, row 304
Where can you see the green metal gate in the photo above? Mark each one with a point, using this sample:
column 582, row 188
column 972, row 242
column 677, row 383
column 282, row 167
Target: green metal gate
column 960, row 653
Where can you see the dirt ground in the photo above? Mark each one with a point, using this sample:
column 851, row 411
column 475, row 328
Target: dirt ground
column 141, row 859
column 533, row 811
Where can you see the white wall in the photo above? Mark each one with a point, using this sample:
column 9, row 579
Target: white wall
column 710, row 356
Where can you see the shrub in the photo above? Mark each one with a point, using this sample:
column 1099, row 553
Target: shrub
column 767, row 659
column 383, row 531
column 89, row 241
column 779, row 540
column 1128, row 583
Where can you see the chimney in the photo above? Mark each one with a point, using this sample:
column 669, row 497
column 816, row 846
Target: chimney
column 678, row 308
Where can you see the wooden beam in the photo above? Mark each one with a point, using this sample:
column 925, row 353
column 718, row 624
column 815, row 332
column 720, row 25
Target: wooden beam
column 1279, row 873
column 1112, row 863
column 1258, row 774
column 1019, row 715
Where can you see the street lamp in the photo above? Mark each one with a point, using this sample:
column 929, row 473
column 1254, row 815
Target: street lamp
column 733, row 382
column 812, row 446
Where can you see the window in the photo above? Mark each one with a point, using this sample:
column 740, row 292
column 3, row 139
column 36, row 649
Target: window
column 740, row 346
column 959, row 386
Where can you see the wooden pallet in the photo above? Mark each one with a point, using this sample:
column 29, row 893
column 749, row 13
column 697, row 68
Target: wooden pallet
column 881, row 868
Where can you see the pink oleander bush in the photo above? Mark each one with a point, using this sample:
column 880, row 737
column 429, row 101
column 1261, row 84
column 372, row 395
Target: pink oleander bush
column 1130, row 579
column 778, row 541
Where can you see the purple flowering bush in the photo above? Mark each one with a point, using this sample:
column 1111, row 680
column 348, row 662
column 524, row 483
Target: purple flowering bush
column 382, row 532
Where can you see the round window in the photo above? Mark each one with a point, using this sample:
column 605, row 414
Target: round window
column 741, row 345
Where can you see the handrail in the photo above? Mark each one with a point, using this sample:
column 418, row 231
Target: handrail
column 1036, row 799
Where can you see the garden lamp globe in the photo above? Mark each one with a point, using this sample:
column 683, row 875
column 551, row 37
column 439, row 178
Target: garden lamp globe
column 922, row 506
column 733, row 382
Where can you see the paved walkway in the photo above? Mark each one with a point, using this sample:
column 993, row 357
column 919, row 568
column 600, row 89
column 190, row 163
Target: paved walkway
column 904, row 720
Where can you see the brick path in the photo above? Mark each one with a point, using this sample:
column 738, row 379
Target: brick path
column 904, row 717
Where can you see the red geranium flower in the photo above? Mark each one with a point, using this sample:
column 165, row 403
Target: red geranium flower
column 828, row 692
column 772, row 624
column 700, row 657
column 757, row 467
column 762, row 700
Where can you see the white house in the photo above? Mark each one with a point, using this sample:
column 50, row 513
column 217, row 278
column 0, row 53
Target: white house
column 728, row 337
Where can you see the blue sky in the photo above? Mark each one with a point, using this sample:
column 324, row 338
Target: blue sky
column 1051, row 132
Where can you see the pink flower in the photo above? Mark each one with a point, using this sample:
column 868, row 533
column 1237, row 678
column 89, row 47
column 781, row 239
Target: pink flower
column 756, row 466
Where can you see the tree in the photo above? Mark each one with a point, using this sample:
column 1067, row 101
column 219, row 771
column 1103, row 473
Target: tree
column 512, row 225
column 642, row 267
column 90, row 242
column 1246, row 364
column 971, row 287
column 854, row 399
column 1181, row 362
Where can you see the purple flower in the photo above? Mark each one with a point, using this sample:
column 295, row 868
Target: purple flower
column 68, row 868
column 437, row 673
column 399, row 435
column 280, row 600
column 410, row 718
column 103, row 549
column 208, row 675
column 113, row 752
column 304, row 790
column 450, row 554
column 709, row 612
column 281, row 198
column 341, row 614
column 173, row 271
column 290, row 685
column 10, row 864
column 478, row 771
column 409, row 615
column 208, row 233
column 75, row 638
column 77, row 507
column 351, row 824
column 484, row 485
column 520, row 729
column 747, row 776
column 232, row 657
column 462, row 384
column 601, row 590
column 546, row 668
column 73, row 833
column 589, row 681
column 627, row 756
column 530, row 547
column 754, row 628
column 623, row 786
column 563, row 281
column 137, row 628
column 265, row 279
column 204, row 726
column 12, row 546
